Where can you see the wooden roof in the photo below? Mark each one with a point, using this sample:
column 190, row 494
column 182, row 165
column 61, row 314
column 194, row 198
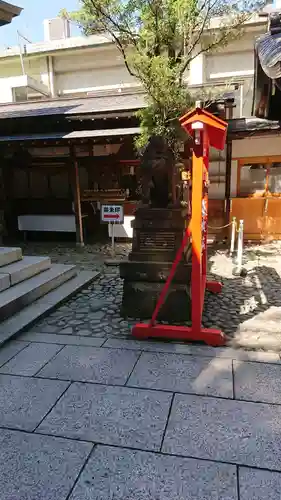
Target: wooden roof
column 8, row 12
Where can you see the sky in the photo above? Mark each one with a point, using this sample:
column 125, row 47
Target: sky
column 30, row 21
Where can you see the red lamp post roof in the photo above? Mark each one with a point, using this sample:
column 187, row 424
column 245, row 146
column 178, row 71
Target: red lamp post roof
column 215, row 127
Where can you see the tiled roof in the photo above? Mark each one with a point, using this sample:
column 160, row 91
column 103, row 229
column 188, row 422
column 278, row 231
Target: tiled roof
column 82, row 106
column 79, row 134
column 252, row 125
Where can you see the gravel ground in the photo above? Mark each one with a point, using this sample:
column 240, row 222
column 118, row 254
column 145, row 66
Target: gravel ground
column 248, row 310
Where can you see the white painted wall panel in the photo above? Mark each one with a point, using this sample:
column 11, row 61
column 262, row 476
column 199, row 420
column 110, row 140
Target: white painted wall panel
column 95, row 57
column 256, row 146
column 84, row 80
column 237, row 64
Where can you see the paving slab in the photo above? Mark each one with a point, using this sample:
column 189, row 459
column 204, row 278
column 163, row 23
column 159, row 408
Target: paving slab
column 61, row 339
column 25, row 401
column 257, row 484
column 179, row 373
column 144, row 345
column 257, row 382
column 36, row 467
column 9, row 350
column 110, row 415
column 91, row 364
column 29, row 361
column 225, row 430
column 115, row 473
column 194, row 350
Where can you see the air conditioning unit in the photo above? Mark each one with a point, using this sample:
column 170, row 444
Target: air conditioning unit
column 56, row 29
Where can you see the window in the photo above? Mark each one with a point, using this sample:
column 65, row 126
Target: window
column 260, row 179
column 253, row 179
column 274, row 178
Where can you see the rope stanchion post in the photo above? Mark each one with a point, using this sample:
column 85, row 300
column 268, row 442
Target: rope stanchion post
column 240, row 246
column 233, row 235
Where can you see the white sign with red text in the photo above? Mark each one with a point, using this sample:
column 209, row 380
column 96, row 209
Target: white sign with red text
column 112, row 214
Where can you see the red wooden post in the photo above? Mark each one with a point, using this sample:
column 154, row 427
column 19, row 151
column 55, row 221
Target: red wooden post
column 196, row 230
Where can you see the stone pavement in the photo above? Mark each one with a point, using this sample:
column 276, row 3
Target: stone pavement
column 87, row 413
column 248, row 310
column 90, row 418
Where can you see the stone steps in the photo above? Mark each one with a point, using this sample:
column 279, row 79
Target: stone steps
column 32, row 286
column 23, row 269
column 21, row 295
column 9, row 255
column 25, row 318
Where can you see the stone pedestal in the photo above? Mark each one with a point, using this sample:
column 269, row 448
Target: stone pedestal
column 157, row 236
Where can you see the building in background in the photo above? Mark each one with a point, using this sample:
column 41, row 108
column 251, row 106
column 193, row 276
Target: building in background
column 63, row 66
column 67, row 124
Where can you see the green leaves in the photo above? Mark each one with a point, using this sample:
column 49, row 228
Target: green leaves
column 158, row 39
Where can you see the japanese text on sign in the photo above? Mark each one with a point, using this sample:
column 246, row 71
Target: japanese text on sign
column 204, row 225
column 112, row 213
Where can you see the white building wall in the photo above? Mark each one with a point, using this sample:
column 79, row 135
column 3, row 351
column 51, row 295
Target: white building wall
column 235, row 64
column 196, row 73
column 37, row 68
column 76, row 72
column 6, row 92
column 79, row 69
column 90, row 70
column 257, row 146
column 91, row 80
column 230, row 65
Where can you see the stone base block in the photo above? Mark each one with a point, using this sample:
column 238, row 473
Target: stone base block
column 140, row 298
column 157, row 272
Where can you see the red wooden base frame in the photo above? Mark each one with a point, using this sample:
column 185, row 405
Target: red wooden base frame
column 210, row 336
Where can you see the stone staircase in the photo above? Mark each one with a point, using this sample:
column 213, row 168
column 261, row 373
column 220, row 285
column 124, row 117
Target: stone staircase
column 32, row 286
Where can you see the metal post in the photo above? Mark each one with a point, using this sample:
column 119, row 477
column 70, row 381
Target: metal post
column 112, row 239
column 240, row 246
column 233, row 234
column 78, row 212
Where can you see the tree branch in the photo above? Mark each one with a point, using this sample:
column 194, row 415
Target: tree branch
column 115, row 37
column 199, row 33
column 120, row 29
